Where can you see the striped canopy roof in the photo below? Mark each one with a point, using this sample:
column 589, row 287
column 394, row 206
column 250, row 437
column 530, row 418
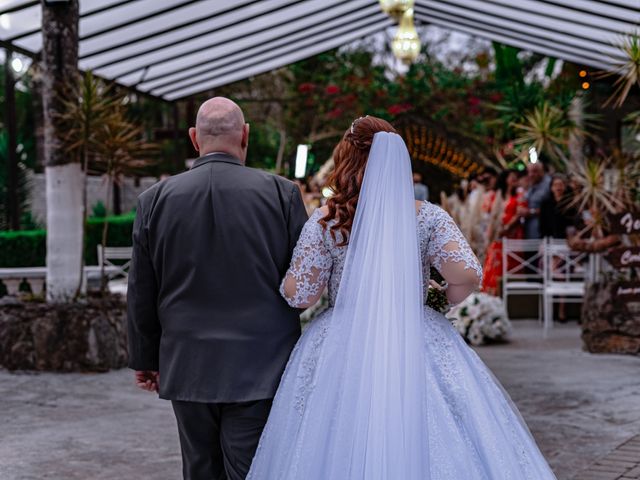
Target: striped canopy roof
column 173, row 49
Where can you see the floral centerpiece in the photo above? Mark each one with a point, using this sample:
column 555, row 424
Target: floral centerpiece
column 481, row 318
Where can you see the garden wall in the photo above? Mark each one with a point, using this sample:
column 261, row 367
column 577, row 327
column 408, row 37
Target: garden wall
column 96, row 192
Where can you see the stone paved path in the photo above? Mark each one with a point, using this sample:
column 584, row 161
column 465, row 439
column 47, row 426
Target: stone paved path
column 623, row 463
column 580, row 407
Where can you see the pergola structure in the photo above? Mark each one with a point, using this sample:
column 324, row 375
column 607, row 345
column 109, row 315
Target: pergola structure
column 174, row 49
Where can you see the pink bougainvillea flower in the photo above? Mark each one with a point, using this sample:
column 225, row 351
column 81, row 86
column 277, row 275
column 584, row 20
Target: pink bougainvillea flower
column 346, row 99
column 332, row 90
column 335, row 113
column 399, row 108
column 474, row 101
column 306, row 87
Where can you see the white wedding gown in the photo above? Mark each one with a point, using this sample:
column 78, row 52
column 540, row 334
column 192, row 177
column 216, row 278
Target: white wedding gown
column 381, row 387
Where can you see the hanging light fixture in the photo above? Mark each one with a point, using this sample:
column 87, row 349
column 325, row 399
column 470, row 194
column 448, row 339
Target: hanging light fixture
column 396, row 8
column 406, row 43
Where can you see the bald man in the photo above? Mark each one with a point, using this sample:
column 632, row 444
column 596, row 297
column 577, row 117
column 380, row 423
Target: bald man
column 539, row 190
column 208, row 329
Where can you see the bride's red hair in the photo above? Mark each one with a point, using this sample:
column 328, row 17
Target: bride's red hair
column 350, row 158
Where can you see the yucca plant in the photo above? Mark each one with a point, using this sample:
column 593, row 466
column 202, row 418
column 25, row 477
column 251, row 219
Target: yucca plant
column 547, row 129
column 627, row 176
column 86, row 104
column 627, row 70
column 99, row 135
column 122, row 150
column 605, row 186
column 89, row 104
column 633, row 121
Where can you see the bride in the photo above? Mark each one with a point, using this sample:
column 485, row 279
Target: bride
column 380, row 386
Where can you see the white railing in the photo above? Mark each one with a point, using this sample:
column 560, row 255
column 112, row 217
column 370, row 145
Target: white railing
column 36, row 277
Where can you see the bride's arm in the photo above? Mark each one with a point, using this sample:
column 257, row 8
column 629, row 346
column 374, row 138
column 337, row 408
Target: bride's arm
column 452, row 256
column 310, row 267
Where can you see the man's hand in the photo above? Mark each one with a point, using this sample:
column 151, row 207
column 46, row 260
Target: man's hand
column 148, row 380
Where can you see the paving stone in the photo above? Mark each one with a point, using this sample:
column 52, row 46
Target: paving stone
column 579, row 407
column 598, row 476
column 616, row 463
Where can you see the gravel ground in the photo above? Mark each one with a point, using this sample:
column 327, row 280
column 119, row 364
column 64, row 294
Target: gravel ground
column 78, row 426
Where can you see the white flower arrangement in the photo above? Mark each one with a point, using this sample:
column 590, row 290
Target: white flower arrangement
column 481, row 318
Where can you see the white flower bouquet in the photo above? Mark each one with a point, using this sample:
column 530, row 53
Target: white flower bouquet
column 481, row 318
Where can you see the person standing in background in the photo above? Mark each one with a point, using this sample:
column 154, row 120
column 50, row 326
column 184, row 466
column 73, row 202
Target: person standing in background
column 488, row 179
column 512, row 200
column 420, row 190
column 539, row 190
column 556, row 217
column 555, row 213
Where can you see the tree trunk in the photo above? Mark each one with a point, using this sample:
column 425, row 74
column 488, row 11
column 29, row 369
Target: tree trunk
column 38, row 122
column 64, row 180
column 117, row 197
column 609, row 325
column 105, row 232
column 13, row 198
column 281, row 147
column 576, row 141
column 64, row 187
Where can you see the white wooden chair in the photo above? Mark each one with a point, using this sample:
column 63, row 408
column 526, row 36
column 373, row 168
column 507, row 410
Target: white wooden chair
column 522, row 269
column 123, row 257
column 566, row 272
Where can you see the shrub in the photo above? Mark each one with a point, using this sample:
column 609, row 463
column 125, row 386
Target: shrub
column 28, row 248
column 99, row 210
column 25, row 248
column 118, row 234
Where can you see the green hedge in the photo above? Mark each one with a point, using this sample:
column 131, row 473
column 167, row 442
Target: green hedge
column 118, row 235
column 23, row 248
column 28, row 248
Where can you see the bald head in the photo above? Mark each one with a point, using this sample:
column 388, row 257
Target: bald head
column 535, row 172
column 220, row 127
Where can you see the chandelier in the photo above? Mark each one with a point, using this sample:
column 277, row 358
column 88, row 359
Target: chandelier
column 406, row 43
column 396, row 8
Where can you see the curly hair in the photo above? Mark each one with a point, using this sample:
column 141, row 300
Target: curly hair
column 350, row 158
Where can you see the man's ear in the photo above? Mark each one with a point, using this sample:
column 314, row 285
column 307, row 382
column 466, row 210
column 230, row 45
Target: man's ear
column 245, row 136
column 194, row 140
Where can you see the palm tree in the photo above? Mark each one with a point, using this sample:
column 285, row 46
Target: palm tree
column 64, row 175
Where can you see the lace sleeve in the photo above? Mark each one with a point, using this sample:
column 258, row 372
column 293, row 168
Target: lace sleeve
column 310, row 267
column 449, row 252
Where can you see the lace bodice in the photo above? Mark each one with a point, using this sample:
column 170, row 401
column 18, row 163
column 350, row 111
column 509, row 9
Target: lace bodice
column 318, row 262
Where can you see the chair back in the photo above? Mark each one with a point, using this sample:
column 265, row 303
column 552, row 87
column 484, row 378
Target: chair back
column 563, row 265
column 522, row 260
column 122, row 256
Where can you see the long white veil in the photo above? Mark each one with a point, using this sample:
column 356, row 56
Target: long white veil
column 369, row 416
